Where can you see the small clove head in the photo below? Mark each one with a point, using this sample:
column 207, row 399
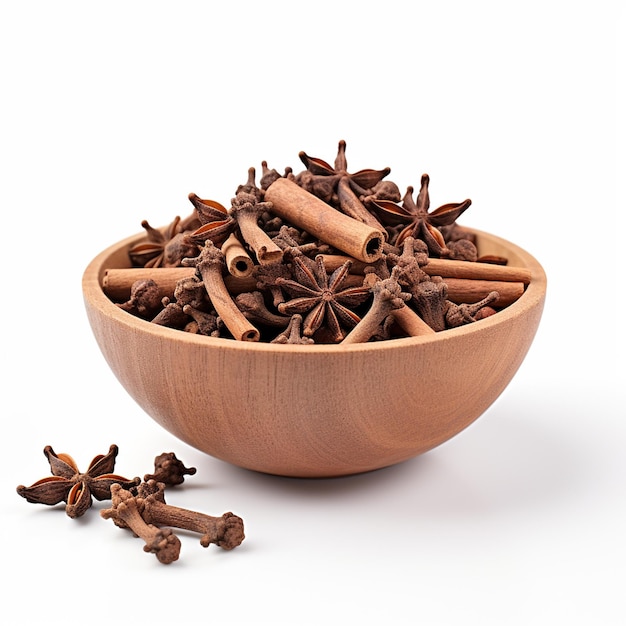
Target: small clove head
column 169, row 470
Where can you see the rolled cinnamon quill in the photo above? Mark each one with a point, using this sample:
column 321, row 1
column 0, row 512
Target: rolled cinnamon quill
column 465, row 290
column 306, row 211
column 209, row 265
column 412, row 324
column 117, row 282
column 238, row 261
column 469, row 291
column 448, row 268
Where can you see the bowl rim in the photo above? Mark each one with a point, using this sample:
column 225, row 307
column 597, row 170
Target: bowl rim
column 94, row 296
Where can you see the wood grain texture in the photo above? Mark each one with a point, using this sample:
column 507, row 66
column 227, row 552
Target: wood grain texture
column 321, row 410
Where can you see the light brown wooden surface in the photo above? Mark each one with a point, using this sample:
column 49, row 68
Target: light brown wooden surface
column 321, row 410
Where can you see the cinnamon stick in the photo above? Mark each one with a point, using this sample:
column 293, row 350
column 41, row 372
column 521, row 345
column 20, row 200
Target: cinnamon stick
column 117, row 283
column 447, row 268
column 209, row 264
column 238, row 261
column 411, row 323
column 353, row 207
column 468, row 291
column 301, row 208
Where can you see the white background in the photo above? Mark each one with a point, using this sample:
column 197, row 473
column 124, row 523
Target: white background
column 113, row 112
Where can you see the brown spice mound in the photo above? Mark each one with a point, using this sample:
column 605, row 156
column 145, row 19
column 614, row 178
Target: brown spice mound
column 269, row 268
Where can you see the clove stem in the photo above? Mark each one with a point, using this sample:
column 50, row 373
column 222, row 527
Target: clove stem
column 225, row 532
column 265, row 249
column 353, row 207
column 125, row 513
column 209, row 264
column 388, row 297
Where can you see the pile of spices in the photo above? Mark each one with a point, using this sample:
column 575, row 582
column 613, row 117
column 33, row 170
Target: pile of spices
column 135, row 505
column 322, row 256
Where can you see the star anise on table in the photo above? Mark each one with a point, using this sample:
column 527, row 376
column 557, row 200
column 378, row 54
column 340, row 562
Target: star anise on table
column 67, row 484
column 320, row 299
column 421, row 223
column 339, row 188
column 164, row 247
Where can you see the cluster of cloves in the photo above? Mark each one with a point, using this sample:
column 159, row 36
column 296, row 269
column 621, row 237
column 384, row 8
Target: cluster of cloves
column 323, row 256
column 137, row 505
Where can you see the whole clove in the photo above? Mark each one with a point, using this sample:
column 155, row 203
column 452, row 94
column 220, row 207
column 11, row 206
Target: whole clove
column 169, row 470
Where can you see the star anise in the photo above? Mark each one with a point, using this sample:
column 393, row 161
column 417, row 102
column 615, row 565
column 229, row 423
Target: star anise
column 164, row 248
column 67, row 484
column 320, row 296
column 336, row 186
column 216, row 223
column 243, row 219
column 420, row 223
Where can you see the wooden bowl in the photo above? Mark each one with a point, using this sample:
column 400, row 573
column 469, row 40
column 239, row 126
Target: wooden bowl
column 320, row 410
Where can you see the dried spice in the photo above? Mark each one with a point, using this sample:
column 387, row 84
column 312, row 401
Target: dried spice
column 67, row 484
column 164, row 248
column 169, row 470
column 209, row 265
column 145, row 512
column 242, row 221
column 248, row 212
column 461, row 314
column 293, row 333
column 307, row 212
column 135, row 505
column 420, row 223
column 321, row 297
column 252, row 305
column 388, row 297
column 126, row 512
column 309, row 244
column 337, row 187
column 188, row 291
column 216, row 223
column 145, row 299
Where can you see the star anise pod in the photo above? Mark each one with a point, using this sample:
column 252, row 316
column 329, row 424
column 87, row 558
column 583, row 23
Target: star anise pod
column 336, row 186
column 216, row 222
column 164, row 248
column 242, row 219
column 421, row 223
column 67, row 484
column 320, row 296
